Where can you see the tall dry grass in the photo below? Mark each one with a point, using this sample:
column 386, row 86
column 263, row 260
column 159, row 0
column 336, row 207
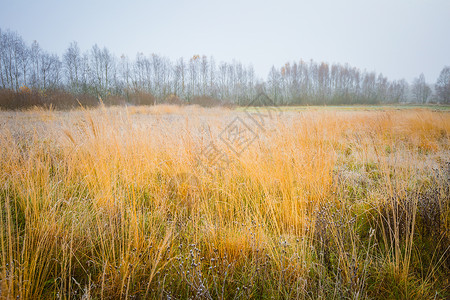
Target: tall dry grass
column 111, row 203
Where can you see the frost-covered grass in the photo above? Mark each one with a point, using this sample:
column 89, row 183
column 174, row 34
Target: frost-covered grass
column 112, row 203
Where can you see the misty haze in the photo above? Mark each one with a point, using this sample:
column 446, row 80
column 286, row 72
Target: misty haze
column 224, row 150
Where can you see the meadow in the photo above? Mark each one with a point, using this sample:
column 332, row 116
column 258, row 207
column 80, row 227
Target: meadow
column 176, row 202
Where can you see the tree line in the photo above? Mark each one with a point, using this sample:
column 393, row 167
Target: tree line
column 149, row 79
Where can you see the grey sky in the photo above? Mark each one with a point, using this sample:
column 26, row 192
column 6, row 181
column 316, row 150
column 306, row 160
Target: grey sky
column 399, row 38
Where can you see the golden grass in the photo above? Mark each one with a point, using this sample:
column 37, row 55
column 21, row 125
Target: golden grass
column 111, row 203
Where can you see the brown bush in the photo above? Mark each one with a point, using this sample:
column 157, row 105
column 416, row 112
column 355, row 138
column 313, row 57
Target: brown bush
column 58, row 99
column 7, row 99
column 206, row 101
column 174, row 99
column 141, row 98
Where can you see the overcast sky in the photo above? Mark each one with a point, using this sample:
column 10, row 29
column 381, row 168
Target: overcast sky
column 399, row 38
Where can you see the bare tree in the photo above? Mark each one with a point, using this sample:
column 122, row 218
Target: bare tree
column 273, row 82
column 50, row 70
column 212, row 78
column 178, row 78
column 102, row 69
column 382, row 88
column 420, row 89
column 139, row 73
column 125, row 75
column 397, row 91
column 35, row 53
column 23, row 60
column 157, row 66
column 443, row 86
column 3, row 77
column 193, row 77
column 108, row 67
column 222, row 81
column 13, row 59
column 72, row 67
column 204, row 68
column 85, row 69
column 323, row 82
column 369, row 88
column 97, row 69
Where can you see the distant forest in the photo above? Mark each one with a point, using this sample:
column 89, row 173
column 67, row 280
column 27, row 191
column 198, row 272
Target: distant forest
column 32, row 76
